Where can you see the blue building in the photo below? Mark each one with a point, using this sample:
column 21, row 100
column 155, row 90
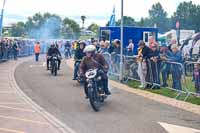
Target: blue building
column 134, row 33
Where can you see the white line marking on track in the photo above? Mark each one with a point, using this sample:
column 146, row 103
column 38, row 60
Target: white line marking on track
column 12, row 103
column 10, row 130
column 177, row 129
column 24, row 120
column 21, row 109
column 7, row 92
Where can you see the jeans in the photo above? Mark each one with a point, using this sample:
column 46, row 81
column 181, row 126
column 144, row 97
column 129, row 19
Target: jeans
column 15, row 55
column 37, row 57
column 67, row 53
column 76, row 67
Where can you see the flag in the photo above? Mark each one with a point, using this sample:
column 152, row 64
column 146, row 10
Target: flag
column 112, row 18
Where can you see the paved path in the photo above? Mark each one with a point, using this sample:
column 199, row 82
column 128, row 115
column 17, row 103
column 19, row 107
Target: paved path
column 16, row 114
column 123, row 112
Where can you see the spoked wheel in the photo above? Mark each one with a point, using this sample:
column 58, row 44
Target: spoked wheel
column 55, row 70
column 94, row 100
column 52, row 69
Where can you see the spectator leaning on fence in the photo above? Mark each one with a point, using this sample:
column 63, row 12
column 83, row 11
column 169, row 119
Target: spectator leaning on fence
column 176, row 69
column 143, row 55
column 197, row 76
column 165, row 67
column 155, row 64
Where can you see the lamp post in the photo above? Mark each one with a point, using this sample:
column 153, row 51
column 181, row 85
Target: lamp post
column 1, row 20
column 122, row 33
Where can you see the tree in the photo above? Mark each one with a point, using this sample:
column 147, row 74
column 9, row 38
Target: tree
column 128, row 21
column 94, row 27
column 70, row 28
column 188, row 15
column 158, row 16
column 83, row 20
column 44, row 26
column 18, row 29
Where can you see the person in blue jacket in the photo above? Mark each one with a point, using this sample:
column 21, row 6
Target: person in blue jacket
column 176, row 69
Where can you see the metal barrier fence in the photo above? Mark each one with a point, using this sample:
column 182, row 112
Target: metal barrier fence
column 192, row 71
column 172, row 75
column 8, row 53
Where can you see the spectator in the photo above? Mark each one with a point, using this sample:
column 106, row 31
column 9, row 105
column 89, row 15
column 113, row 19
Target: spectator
column 111, row 47
column 155, row 64
column 143, row 55
column 9, row 48
column 165, row 67
column 1, row 50
column 197, row 77
column 15, row 50
column 67, row 50
column 103, row 48
column 4, row 50
column 117, row 45
column 130, row 48
column 115, row 55
column 175, row 56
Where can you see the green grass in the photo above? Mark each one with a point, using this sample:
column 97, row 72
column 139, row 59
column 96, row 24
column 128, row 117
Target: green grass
column 85, row 37
column 167, row 92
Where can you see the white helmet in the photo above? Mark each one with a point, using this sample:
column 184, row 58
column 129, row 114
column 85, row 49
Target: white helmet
column 90, row 48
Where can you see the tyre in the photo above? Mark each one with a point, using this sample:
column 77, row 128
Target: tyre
column 52, row 68
column 94, row 99
column 55, row 69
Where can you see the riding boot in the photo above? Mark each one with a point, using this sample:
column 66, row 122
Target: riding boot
column 105, row 86
column 58, row 65
column 86, row 91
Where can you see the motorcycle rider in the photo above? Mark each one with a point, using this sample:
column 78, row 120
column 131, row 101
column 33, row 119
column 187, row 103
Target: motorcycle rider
column 94, row 60
column 53, row 50
column 79, row 54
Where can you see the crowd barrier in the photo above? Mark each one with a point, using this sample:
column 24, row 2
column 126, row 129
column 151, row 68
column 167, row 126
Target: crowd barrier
column 8, row 53
column 175, row 76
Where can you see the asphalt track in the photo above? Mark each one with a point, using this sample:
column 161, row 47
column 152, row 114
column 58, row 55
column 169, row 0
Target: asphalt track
column 123, row 112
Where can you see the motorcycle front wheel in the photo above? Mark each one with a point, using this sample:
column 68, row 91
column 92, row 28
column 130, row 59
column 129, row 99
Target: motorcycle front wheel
column 94, row 99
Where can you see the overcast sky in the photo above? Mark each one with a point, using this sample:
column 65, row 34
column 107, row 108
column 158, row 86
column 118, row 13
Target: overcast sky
column 97, row 11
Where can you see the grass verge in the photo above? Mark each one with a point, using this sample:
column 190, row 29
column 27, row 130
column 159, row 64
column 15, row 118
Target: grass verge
column 166, row 92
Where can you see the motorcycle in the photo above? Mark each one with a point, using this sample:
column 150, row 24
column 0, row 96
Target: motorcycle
column 54, row 64
column 95, row 88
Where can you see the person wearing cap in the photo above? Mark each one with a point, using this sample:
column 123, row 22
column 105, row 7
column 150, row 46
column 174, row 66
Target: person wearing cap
column 176, row 69
column 93, row 60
